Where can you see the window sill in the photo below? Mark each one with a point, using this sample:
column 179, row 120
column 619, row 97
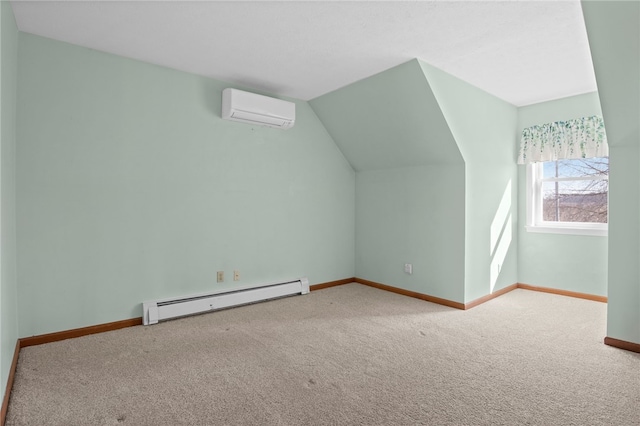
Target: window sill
column 567, row 230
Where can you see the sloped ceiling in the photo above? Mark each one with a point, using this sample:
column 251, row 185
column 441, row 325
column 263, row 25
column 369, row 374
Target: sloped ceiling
column 389, row 120
column 520, row 51
column 483, row 125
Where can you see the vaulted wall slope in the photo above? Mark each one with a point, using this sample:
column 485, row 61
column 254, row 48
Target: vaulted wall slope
column 389, row 120
column 409, row 180
column 436, row 180
column 484, row 128
column 613, row 29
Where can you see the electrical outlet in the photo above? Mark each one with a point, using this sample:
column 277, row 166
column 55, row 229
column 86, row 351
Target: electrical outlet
column 408, row 268
column 220, row 276
column 236, row 275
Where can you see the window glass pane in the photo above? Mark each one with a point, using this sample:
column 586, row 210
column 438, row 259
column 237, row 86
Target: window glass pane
column 575, row 201
column 576, row 168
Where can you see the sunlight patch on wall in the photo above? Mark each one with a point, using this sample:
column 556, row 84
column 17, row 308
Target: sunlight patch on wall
column 501, row 235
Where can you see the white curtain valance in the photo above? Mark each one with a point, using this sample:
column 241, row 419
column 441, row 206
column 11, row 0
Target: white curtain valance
column 579, row 138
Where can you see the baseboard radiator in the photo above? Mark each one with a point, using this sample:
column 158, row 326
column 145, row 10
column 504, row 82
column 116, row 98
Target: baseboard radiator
column 164, row 309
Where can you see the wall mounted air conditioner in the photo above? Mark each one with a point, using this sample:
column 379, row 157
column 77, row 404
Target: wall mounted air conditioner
column 257, row 109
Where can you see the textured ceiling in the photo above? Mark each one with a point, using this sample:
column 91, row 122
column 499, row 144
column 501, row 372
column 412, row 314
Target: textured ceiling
column 523, row 51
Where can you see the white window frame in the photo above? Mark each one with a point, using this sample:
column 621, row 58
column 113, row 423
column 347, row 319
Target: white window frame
column 535, row 223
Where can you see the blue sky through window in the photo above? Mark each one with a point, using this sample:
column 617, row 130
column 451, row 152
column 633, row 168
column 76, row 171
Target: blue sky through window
column 576, row 168
column 575, row 190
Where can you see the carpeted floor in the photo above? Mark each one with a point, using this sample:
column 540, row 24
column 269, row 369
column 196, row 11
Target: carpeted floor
column 348, row 355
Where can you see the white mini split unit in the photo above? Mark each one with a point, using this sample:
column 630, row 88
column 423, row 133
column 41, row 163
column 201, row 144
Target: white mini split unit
column 258, row 110
column 164, row 309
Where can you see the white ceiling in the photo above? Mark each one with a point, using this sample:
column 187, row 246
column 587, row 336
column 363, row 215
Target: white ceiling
column 521, row 51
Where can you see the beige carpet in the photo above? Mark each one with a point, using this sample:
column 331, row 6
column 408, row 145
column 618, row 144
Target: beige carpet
column 344, row 355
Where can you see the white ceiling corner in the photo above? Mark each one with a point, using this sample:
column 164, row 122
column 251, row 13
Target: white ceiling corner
column 520, row 51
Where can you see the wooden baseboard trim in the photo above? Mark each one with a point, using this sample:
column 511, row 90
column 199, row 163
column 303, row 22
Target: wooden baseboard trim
column 410, row 293
column 55, row 337
column 490, row 296
column 78, row 332
column 458, row 305
column 331, row 284
column 12, row 374
column 622, row 344
column 568, row 293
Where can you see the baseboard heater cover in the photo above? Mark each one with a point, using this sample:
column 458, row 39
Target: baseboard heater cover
column 164, row 309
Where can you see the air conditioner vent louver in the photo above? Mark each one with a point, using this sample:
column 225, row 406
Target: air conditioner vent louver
column 256, row 109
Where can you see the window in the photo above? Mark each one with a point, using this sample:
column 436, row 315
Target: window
column 568, row 196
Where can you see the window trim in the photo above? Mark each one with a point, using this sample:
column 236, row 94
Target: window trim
column 534, row 210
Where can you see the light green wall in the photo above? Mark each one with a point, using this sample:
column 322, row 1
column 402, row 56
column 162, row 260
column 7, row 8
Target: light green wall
column 484, row 129
column 8, row 281
column 613, row 29
column 460, row 234
column 131, row 187
column 389, row 120
column 409, row 183
column 412, row 215
column 567, row 262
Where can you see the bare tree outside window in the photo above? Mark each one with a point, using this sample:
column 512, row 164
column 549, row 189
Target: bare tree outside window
column 575, row 190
